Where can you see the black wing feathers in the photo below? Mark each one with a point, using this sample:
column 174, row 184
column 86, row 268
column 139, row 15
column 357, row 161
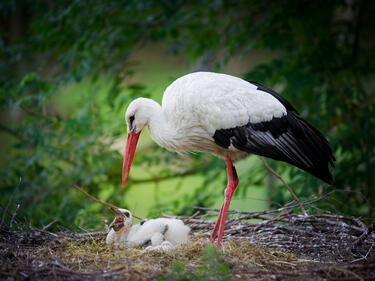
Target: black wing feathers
column 222, row 137
column 289, row 138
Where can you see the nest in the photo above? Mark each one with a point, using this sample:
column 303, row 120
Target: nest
column 323, row 237
column 281, row 244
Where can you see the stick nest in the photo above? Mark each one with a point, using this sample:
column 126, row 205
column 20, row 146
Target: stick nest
column 277, row 244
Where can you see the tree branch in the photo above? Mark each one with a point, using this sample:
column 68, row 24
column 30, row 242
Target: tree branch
column 284, row 182
column 162, row 178
column 100, row 201
column 10, row 131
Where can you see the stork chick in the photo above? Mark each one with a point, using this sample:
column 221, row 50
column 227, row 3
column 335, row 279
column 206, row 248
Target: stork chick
column 160, row 233
column 119, row 228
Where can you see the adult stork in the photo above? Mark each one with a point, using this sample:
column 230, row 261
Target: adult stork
column 228, row 117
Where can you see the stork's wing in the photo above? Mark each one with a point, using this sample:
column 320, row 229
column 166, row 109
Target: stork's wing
column 289, row 138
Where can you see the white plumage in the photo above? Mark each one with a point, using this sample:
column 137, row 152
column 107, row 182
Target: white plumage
column 160, row 233
column 196, row 105
column 217, row 101
column 228, row 117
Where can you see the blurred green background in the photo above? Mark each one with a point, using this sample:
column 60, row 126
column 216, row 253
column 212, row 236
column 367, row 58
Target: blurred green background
column 70, row 68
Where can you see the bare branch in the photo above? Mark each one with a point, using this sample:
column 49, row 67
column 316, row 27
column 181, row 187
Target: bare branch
column 10, row 131
column 100, row 201
column 162, row 178
column 49, row 225
column 286, row 185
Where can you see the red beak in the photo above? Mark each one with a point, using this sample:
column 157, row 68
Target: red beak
column 131, row 143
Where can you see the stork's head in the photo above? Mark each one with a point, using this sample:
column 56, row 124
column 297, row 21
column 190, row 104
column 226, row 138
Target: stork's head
column 123, row 219
column 137, row 116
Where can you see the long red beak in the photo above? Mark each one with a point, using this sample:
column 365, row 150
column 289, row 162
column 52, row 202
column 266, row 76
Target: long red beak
column 131, row 143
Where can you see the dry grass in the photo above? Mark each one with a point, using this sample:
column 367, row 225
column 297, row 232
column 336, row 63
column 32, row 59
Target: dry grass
column 91, row 254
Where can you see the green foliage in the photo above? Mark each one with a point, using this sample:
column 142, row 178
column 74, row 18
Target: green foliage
column 211, row 268
column 328, row 75
column 323, row 63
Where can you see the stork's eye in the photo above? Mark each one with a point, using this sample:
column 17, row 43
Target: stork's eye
column 127, row 214
column 131, row 120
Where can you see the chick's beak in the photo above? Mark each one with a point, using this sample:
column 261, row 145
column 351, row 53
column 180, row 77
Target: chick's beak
column 115, row 211
column 117, row 223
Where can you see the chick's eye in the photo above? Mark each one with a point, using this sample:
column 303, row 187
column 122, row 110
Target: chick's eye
column 127, row 214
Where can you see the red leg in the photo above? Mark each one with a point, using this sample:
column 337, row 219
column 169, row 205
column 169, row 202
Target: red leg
column 228, row 193
column 216, row 227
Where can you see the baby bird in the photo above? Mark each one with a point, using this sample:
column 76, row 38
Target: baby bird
column 161, row 233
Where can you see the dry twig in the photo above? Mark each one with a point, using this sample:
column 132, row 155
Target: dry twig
column 286, row 185
column 100, row 201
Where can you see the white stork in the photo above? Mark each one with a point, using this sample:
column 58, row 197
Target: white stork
column 228, row 117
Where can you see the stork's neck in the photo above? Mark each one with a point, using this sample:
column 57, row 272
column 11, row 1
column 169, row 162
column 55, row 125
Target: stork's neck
column 125, row 232
column 160, row 129
column 118, row 238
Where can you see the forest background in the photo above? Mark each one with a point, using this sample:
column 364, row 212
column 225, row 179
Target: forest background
column 69, row 69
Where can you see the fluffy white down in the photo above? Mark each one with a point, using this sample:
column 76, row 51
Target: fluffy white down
column 177, row 233
column 163, row 233
column 116, row 238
